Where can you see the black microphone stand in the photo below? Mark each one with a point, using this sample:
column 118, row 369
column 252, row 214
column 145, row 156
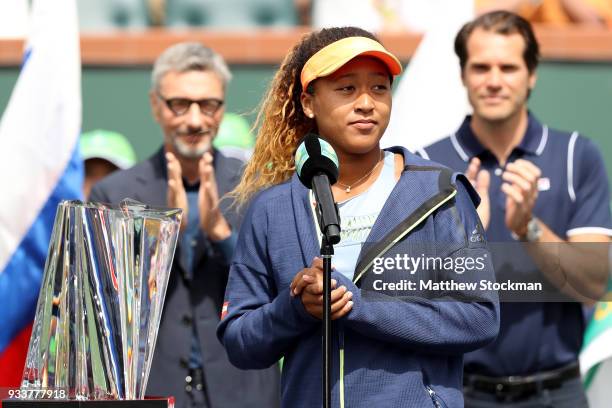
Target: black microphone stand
column 329, row 224
column 327, row 250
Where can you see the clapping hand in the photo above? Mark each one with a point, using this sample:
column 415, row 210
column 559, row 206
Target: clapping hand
column 176, row 197
column 521, row 188
column 212, row 221
column 480, row 179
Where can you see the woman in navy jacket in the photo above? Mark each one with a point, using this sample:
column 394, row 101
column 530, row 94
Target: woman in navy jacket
column 404, row 219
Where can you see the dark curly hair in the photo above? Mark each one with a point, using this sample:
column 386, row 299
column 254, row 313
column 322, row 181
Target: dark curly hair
column 281, row 120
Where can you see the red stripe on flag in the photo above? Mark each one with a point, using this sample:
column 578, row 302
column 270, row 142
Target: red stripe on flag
column 12, row 359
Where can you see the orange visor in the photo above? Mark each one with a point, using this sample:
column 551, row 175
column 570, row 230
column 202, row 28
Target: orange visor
column 330, row 58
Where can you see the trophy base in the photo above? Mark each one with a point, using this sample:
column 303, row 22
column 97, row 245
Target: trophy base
column 149, row 403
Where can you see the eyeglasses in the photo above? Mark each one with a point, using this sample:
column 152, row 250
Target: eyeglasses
column 180, row 106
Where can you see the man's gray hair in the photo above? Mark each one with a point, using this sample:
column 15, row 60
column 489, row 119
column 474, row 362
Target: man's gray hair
column 189, row 56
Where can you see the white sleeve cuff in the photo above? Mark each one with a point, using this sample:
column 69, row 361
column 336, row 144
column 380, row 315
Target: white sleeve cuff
column 589, row 230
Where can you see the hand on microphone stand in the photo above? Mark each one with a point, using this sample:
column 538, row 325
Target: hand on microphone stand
column 308, row 284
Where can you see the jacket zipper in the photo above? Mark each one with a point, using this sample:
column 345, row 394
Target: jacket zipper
column 438, row 403
column 432, row 395
column 360, row 274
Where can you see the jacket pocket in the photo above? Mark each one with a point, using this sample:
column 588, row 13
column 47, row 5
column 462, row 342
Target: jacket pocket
column 438, row 402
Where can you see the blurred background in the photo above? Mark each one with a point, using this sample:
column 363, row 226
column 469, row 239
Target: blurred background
column 121, row 38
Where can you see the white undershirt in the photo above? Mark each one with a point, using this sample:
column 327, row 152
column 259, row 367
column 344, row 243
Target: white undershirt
column 357, row 216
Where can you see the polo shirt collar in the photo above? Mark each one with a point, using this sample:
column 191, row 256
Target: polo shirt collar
column 535, row 137
column 464, row 141
column 467, row 145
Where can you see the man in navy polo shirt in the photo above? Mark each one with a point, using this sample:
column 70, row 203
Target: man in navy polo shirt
column 537, row 185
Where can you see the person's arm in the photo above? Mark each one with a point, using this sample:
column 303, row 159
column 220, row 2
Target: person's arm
column 435, row 325
column 260, row 327
column 481, row 180
column 212, row 220
column 258, row 323
column 578, row 265
column 428, row 326
column 176, row 196
column 227, row 246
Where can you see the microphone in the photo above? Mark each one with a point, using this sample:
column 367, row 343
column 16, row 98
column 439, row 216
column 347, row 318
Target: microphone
column 316, row 164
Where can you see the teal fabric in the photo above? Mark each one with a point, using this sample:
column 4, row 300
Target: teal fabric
column 111, row 15
column 235, row 14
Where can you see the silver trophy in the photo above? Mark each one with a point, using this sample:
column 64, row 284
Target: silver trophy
column 100, row 301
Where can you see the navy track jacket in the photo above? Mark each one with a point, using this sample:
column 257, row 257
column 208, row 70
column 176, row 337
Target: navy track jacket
column 391, row 349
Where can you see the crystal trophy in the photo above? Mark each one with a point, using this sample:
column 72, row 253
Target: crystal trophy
column 100, row 301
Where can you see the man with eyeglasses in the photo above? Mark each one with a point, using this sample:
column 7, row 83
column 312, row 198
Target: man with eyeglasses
column 187, row 97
